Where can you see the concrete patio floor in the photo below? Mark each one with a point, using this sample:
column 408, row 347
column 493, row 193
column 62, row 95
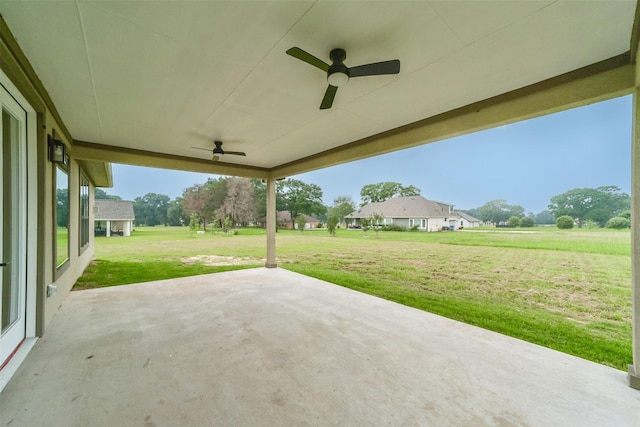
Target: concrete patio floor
column 271, row 347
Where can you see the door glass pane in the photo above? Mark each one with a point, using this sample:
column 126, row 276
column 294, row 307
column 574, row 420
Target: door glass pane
column 10, row 283
column 62, row 216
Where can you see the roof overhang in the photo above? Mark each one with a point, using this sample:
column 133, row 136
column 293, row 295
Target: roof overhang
column 140, row 83
column 99, row 172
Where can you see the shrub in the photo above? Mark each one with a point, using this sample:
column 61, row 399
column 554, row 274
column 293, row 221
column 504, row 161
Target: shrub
column 564, row 222
column 591, row 224
column 394, row 227
column 527, row 221
column 514, row 221
column 625, row 214
column 618, row 222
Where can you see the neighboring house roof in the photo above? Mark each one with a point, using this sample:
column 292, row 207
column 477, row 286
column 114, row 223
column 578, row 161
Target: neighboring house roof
column 405, row 207
column 467, row 217
column 114, row 210
column 285, row 216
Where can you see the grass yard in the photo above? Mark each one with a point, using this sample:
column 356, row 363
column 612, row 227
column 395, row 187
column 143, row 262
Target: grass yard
column 567, row 290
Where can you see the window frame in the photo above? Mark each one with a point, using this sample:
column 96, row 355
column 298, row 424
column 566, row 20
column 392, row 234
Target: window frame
column 61, row 267
column 84, row 213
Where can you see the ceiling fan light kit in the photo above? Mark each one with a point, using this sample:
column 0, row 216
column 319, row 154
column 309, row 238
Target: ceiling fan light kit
column 339, row 74
column 338, row 79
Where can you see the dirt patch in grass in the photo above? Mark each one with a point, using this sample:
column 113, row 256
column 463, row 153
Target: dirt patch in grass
column 217, row 260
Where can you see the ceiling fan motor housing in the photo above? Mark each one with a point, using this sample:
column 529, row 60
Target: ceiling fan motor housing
column 338, row 73
column 218, row 148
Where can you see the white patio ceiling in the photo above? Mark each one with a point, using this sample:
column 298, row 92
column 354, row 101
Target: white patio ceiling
column 167, row 76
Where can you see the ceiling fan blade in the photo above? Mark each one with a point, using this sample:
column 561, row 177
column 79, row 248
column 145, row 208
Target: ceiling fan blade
column 200, row 148
column 296, row 52
column 377, row 68
column 327, row 101
column 235, row 153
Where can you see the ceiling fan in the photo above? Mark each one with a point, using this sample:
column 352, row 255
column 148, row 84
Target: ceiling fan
column 339, row 74
column 218, row 151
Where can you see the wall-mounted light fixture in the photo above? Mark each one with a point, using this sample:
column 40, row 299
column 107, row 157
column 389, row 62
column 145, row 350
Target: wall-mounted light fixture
column 57, row 151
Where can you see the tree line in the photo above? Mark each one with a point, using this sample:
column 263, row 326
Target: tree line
column 234, row 202
column 225, row 202
column 606, row 206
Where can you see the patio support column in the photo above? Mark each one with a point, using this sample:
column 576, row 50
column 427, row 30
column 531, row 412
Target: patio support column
column 271, row 223
column 634, row 370
column 108, row 233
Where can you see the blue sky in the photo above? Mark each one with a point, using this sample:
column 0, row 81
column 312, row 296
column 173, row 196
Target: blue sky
column 525, row 163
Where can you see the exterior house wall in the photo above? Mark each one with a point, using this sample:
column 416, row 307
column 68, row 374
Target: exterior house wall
column 65, row 277
column 307, row 225
column 21, row 82
column 468, row 224
column 402, row 222
column 436, row 224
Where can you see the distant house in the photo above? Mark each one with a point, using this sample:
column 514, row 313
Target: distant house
column 284, row 221
column 467, row 221
column 414, row 211
column 113, row 217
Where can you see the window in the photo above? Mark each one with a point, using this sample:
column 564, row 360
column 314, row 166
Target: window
column 84, row 211
column 420, row 223
column 61, row 237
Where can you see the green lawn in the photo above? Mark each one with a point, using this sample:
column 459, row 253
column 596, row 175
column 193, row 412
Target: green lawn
column 62, row 245
column 567, row 290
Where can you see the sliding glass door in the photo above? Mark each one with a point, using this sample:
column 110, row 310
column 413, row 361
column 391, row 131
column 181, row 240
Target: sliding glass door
column 13, row 232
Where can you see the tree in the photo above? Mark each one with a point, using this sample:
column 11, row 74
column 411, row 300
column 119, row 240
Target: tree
column 205, row 199
column 259, row 198
column 194, row 222
column 565, row 222
column 382, row 191
column 217, row 189
column 527, row 221
column 342, row 206
column 332, row 222
column 151, row 209
column 597, row 204
column 376, row 221
column 100, row 194
column 239, row 203
column 366, row 225
column 499, row 210
column 62, row 212
column 195, row 200
column 513, row 221
column 298, row 198
column 301, row 221
column 175, row 212
column 544, row 217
